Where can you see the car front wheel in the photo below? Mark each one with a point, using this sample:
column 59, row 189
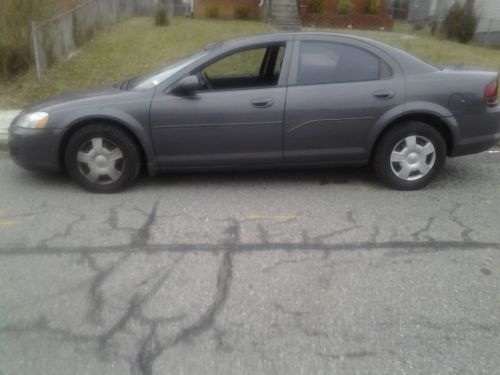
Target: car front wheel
column 102, row 158
column 410, row 156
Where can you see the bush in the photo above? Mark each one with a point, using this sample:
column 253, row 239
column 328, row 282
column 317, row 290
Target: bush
column 345, row 6
column 452, row 21
column 161, row 14
column 461, row 22
column 469, row 24
column 315, row 6
column 242, row 13
column 15, row 32
column 13, row 61
column 212, row 11
column 373, row 7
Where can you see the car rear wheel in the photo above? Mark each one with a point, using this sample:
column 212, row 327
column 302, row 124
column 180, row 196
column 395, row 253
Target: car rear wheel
column 102, row 158
column 410, row 156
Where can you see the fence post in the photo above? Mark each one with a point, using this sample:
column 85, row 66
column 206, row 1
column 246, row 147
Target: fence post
column 36, row 52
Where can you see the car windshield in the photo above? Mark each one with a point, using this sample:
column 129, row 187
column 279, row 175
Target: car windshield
column 153, row 79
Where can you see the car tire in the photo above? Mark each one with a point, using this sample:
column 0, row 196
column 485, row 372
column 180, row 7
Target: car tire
column 102, row 158
column 410, row 156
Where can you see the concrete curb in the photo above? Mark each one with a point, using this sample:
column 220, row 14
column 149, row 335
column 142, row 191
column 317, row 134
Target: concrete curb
column 6, row 118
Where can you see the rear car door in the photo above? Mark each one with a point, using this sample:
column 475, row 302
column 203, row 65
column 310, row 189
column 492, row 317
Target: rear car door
column 236, row 119
column 339, row 88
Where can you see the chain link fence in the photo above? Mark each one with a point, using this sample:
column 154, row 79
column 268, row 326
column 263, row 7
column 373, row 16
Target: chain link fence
column 61, row 36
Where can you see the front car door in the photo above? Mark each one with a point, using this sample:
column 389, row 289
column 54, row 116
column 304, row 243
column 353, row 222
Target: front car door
column 339, row 88
column 235, row 119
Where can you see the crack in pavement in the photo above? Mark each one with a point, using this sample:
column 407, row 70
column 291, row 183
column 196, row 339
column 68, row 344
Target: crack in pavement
column 96, row 297
column 149, row 344
column 132, row 313
column 152, row 348
column 416, row 235
column 144, row 233
column 67, row 231
column 466, row 229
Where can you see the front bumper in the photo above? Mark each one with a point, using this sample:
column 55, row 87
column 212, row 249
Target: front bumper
column 35, row 149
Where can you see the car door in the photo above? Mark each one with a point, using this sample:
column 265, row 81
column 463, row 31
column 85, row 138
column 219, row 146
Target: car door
column 339, row 87
column 236, row 119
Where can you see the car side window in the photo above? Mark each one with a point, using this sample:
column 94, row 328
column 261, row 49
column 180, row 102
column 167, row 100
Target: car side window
column 245, row 63
column 257, row 67
column 326, row 62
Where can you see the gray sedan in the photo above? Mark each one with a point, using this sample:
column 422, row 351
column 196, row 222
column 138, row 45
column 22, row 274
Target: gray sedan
column 267, row 101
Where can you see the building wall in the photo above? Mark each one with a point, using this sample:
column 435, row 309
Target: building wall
column 489, row 13
column 424, row 10
column 419, row 10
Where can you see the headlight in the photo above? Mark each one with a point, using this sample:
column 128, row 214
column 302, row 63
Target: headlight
column 36, row 120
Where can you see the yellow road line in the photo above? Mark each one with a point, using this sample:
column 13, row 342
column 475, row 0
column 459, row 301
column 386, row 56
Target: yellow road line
column 256, row 216
column 8, row 223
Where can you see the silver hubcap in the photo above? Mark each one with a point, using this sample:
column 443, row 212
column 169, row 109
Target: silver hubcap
column 101, row 161
column 413, row 158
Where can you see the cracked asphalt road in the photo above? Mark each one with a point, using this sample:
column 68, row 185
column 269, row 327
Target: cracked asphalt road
column 296, row 272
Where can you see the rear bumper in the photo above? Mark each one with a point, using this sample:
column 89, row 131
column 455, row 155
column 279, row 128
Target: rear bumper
column 478, row 133
column 476, row 145
column 35, row 149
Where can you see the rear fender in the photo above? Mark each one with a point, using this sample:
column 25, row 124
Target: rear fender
column 405, row 110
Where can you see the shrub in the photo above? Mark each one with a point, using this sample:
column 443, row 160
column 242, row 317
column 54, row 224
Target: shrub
column 315, row 6
column 469, row 24
column 345, row 6
column 418, row 26
column 242, row 12
column 13, row 61
column 373, row 7
column 452, row 21
column 461, row 22
column 161, row 14
column 15, row 32
column 212, row 11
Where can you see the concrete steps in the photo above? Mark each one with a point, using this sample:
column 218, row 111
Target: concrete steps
column 285, row 15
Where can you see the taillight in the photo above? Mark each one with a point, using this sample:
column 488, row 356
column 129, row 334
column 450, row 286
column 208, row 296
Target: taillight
column 491, row 93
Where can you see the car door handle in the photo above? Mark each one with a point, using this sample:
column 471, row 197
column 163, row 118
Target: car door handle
column 262, row 102
column 384, row 94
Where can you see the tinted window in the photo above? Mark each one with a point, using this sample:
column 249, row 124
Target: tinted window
column 322, row 62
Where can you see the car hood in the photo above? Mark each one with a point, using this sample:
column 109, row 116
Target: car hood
column 82, row 98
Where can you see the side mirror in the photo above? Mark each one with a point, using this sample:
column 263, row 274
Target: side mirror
column 187, row 85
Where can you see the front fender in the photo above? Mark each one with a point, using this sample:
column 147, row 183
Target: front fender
column 140, row 130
